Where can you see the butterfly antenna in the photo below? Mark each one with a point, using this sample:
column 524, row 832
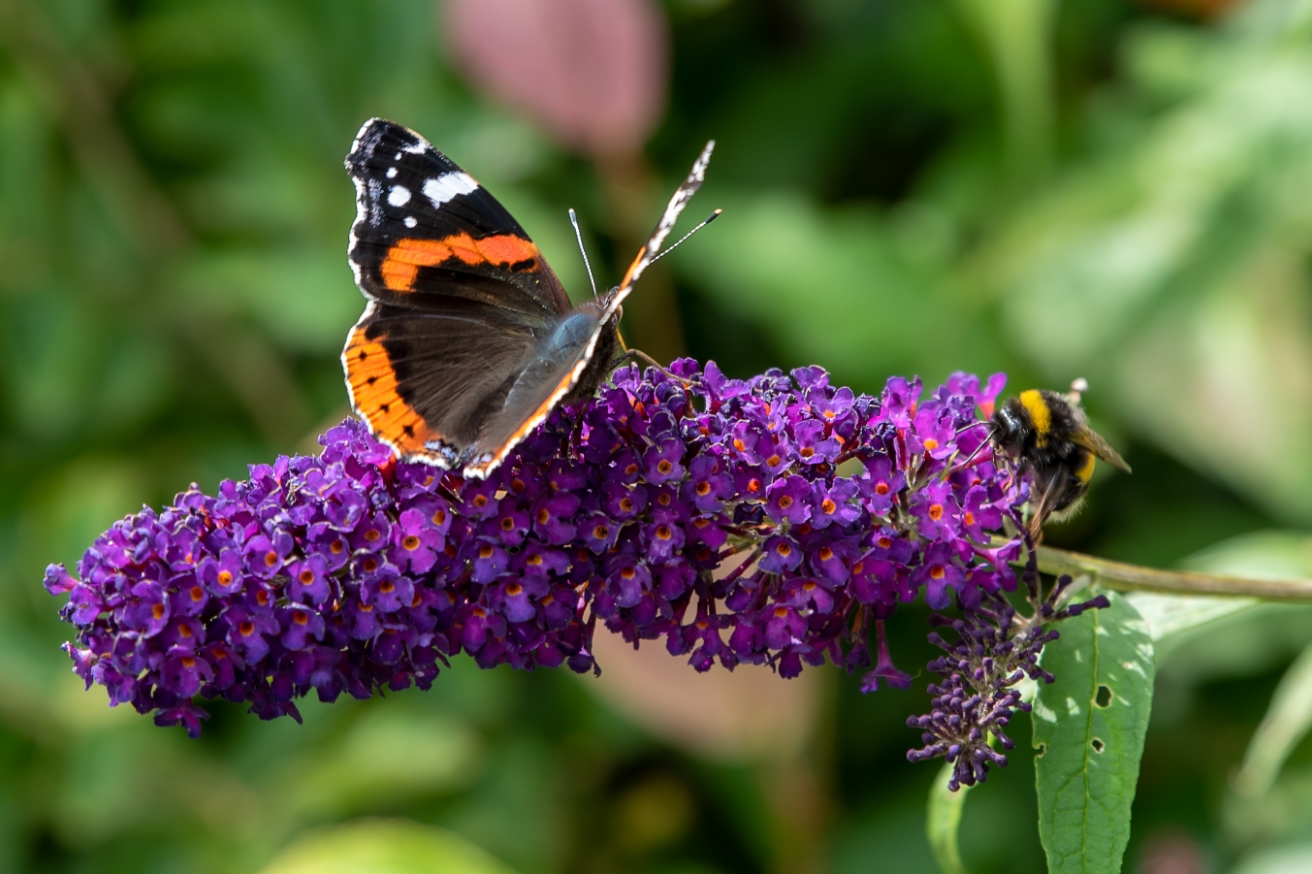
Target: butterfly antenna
column 574, row 220
column 710, row 218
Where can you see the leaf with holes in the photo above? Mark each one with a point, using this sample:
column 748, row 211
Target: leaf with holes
column 1089, row 727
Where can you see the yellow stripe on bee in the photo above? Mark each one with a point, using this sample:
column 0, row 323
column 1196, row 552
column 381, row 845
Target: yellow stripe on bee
column 1084, row 472
column 1040, row 414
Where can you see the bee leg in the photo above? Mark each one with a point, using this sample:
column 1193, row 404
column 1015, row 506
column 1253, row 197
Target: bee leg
column 1040, row 513
column 985, row 442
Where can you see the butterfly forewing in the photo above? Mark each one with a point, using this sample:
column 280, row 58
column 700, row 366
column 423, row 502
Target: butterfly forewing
column 425, row 227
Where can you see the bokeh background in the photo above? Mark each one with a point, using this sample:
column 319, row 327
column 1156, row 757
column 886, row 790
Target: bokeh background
column 1113, row 189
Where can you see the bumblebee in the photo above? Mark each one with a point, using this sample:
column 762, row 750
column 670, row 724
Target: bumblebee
column 1048, row 436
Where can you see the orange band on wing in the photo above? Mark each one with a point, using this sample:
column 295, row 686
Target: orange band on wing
column 403, row 260
column 372, row 379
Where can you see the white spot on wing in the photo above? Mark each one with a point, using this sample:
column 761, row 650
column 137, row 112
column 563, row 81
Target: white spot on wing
column 397, row 157
column 443, row 188
column 399, row 195
column 410, row 221
column 391, row 172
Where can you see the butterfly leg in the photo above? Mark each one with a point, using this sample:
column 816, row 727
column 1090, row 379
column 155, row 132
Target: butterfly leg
column 638, row 354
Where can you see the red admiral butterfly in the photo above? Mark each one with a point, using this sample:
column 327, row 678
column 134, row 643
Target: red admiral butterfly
column 469, row 339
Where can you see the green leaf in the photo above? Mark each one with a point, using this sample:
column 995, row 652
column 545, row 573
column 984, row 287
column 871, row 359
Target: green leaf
column 942, row 820
column 1169, row 616
column 1286, row 722
column 383, row 846
column 1089, row 727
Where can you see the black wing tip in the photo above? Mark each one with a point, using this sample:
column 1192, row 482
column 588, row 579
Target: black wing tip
column 374, row 133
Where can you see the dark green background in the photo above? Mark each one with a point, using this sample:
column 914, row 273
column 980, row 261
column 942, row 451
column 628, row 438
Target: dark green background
column 1096, row 188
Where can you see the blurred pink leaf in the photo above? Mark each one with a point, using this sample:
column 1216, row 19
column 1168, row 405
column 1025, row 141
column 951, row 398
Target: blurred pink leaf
column 592, row 73
column 748, row 715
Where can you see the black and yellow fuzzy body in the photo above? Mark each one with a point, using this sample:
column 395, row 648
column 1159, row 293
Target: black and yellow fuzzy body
column 1048, row 436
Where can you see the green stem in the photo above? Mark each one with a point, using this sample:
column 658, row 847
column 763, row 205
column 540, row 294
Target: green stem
column 1129, row 577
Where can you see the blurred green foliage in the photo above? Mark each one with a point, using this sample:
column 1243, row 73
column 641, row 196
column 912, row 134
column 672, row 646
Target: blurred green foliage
column 1099, row 188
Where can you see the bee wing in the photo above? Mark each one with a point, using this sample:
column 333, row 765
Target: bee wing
column 1092, row 441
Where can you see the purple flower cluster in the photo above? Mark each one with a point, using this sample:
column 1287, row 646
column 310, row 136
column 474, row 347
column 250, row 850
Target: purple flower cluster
column 977, row 698
column 775, row 520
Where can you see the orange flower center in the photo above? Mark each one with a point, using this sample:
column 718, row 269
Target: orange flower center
column 935, row 511
column 410, row 542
